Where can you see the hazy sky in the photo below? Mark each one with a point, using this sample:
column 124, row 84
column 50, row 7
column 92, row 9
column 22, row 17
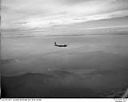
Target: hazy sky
column 33, row 14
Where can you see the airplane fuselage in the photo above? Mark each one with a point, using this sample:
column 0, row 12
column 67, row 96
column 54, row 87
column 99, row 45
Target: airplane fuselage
column 60, row 45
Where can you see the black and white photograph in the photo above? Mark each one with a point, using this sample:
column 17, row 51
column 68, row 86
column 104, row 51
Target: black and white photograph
column 64, row 49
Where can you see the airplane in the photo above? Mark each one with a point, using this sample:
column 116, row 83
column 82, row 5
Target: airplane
column 58, row 45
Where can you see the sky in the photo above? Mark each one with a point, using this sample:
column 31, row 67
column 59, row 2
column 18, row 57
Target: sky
column 40, row 14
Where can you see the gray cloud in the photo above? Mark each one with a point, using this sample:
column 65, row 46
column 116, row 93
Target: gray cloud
column 72, row 2
column 36, row 11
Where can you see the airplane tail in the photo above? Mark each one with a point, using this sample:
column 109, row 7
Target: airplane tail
column 55, row 43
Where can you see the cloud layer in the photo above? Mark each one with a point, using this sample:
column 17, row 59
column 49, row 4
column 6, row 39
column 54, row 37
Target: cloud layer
column 29, row 14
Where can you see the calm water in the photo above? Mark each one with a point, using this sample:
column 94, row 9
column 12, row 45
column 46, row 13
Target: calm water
column 91, row 61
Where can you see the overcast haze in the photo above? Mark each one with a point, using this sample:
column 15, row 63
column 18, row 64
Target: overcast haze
column 46, row 13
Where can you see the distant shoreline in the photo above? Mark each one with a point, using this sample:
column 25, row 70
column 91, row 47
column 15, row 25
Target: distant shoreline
column 32, row 36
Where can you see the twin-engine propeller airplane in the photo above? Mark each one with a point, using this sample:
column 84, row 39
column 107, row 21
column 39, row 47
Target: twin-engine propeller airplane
column 60, row 45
